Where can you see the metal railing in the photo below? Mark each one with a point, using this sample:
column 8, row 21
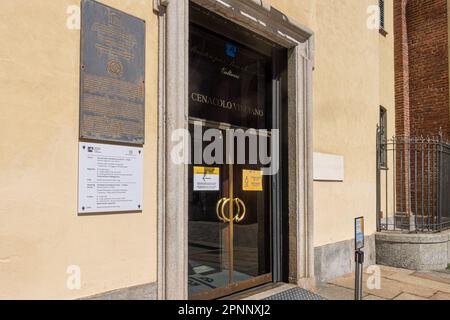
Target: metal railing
column 413, row 184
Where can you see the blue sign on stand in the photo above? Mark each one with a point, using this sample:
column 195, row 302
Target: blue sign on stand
column 359, row 233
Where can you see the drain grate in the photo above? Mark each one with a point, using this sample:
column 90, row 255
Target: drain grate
column 295, row 294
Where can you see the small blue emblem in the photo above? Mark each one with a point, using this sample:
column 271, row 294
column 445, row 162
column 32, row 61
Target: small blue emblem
column 231, row 50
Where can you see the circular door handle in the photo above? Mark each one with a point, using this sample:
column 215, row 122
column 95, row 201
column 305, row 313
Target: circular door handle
column 240, row 204
column 219, row 208
column 222, row 211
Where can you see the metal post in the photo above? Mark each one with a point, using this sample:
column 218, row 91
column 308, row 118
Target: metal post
column 359, row 261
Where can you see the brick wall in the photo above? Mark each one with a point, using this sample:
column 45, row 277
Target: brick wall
column 401, row 55
column 421, row 67
column 421, row 91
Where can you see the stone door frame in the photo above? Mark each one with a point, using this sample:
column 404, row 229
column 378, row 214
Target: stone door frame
column 257, row 16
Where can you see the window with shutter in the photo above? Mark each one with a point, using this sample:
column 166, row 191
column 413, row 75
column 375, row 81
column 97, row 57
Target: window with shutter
column 381, row 4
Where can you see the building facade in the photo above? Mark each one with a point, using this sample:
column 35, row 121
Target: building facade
column 414, row 213
column 319, row 72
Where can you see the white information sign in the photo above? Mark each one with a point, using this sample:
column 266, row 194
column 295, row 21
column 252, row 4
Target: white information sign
column 206, row 179
column 328, row 167
column 110, row 178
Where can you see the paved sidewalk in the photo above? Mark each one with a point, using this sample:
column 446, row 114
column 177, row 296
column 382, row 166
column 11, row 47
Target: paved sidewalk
column 395, row 284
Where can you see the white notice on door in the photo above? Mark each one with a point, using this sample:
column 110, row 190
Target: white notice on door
column 206, row 179
column 110, row 178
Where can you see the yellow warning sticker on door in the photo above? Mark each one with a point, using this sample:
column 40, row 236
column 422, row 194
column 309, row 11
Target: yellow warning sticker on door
column 252, row 180
column 206, row 179
column 206, row 170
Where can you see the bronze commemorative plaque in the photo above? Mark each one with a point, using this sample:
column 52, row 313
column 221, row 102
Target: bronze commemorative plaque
column 112, row 80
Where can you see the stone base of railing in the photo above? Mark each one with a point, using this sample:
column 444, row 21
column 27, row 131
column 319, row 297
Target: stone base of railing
column 429, row 251
column 404, row 221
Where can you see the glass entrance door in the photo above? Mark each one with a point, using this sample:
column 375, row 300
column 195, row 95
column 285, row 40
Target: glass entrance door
column 230, row 200
column 229, row 221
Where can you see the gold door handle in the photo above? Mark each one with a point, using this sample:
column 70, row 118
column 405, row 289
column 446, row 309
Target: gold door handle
column 220, row 207
column 240, row 204
column 222, row 216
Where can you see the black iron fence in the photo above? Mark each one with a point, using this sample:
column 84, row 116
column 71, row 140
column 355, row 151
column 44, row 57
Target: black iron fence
column 413, row 184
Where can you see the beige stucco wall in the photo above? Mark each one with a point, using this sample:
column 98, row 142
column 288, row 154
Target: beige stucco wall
column 40, row 231
column 353, row 76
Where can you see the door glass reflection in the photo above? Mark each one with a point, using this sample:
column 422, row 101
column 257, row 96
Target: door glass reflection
column 229, row 236
column 209, row 265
